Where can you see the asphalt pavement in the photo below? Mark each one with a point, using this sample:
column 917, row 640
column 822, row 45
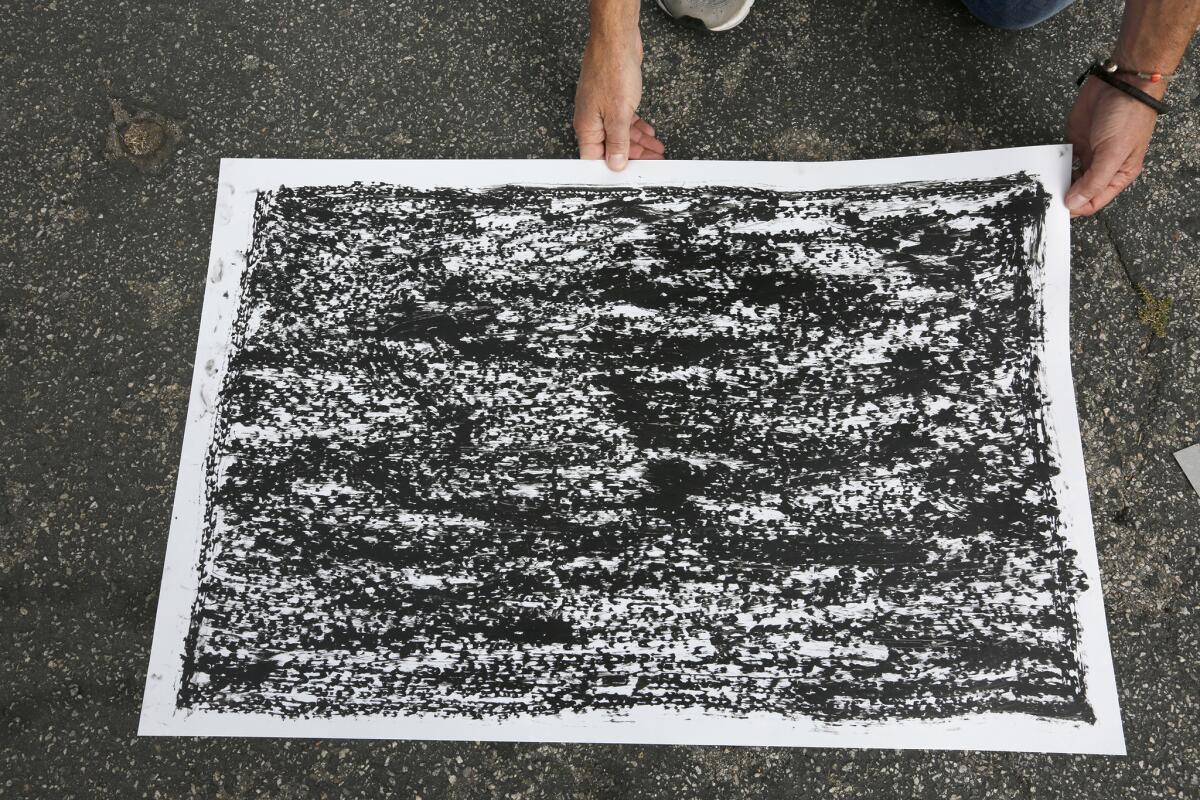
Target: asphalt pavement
column 114, row 118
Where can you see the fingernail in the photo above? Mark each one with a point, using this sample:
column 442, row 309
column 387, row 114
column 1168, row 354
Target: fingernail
column 617, row 162
column 1075, row 201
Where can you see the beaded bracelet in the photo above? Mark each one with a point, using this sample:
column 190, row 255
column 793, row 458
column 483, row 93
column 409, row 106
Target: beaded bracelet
column 1100, row 71
column 1112, row 68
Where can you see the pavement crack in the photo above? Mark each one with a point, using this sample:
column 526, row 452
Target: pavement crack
column 1150, row 369
column 1121, row 259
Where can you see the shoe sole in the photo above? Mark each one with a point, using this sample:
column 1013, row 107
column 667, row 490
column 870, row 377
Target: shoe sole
column 724, row 26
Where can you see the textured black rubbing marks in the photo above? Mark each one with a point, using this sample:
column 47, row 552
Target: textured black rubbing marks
column 535, row 450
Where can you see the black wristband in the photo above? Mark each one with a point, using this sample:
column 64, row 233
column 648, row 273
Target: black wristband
column 1098, row 70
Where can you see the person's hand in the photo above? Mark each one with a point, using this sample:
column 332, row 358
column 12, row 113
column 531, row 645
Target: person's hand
column 606, row 100
column 1110, row 132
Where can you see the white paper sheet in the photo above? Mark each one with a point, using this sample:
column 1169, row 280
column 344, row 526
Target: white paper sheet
column 240, row 183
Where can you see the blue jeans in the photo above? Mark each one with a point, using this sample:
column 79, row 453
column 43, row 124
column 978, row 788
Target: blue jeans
column 1015, row 14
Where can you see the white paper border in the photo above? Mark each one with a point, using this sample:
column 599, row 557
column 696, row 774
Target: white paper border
column 241, row 180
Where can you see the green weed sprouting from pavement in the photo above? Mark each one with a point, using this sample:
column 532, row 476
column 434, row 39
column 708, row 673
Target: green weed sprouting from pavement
column 1154, row 312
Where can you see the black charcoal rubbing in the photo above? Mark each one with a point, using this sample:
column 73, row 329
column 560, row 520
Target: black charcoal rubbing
column 527, row 450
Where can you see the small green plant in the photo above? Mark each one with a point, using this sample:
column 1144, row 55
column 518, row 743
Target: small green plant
column 1154, row 312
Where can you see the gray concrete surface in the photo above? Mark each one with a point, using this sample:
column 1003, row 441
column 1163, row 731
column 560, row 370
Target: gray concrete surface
column 102, row 263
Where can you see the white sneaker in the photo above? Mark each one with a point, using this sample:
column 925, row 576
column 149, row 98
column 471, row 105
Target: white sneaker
column 716, row 15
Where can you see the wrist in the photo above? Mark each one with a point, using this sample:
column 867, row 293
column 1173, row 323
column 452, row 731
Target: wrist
column 616, row 45
column 614, row 24
column 1131, row 58
column 1156, row 89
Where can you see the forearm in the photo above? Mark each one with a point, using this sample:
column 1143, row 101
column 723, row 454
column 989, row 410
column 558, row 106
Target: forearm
column 615, row 19
column 1155, row 34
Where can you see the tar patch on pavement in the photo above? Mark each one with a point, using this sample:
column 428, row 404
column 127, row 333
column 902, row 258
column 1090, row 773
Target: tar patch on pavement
column 141, row 136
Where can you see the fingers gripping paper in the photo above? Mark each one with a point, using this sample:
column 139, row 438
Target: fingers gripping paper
column 717, row 453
